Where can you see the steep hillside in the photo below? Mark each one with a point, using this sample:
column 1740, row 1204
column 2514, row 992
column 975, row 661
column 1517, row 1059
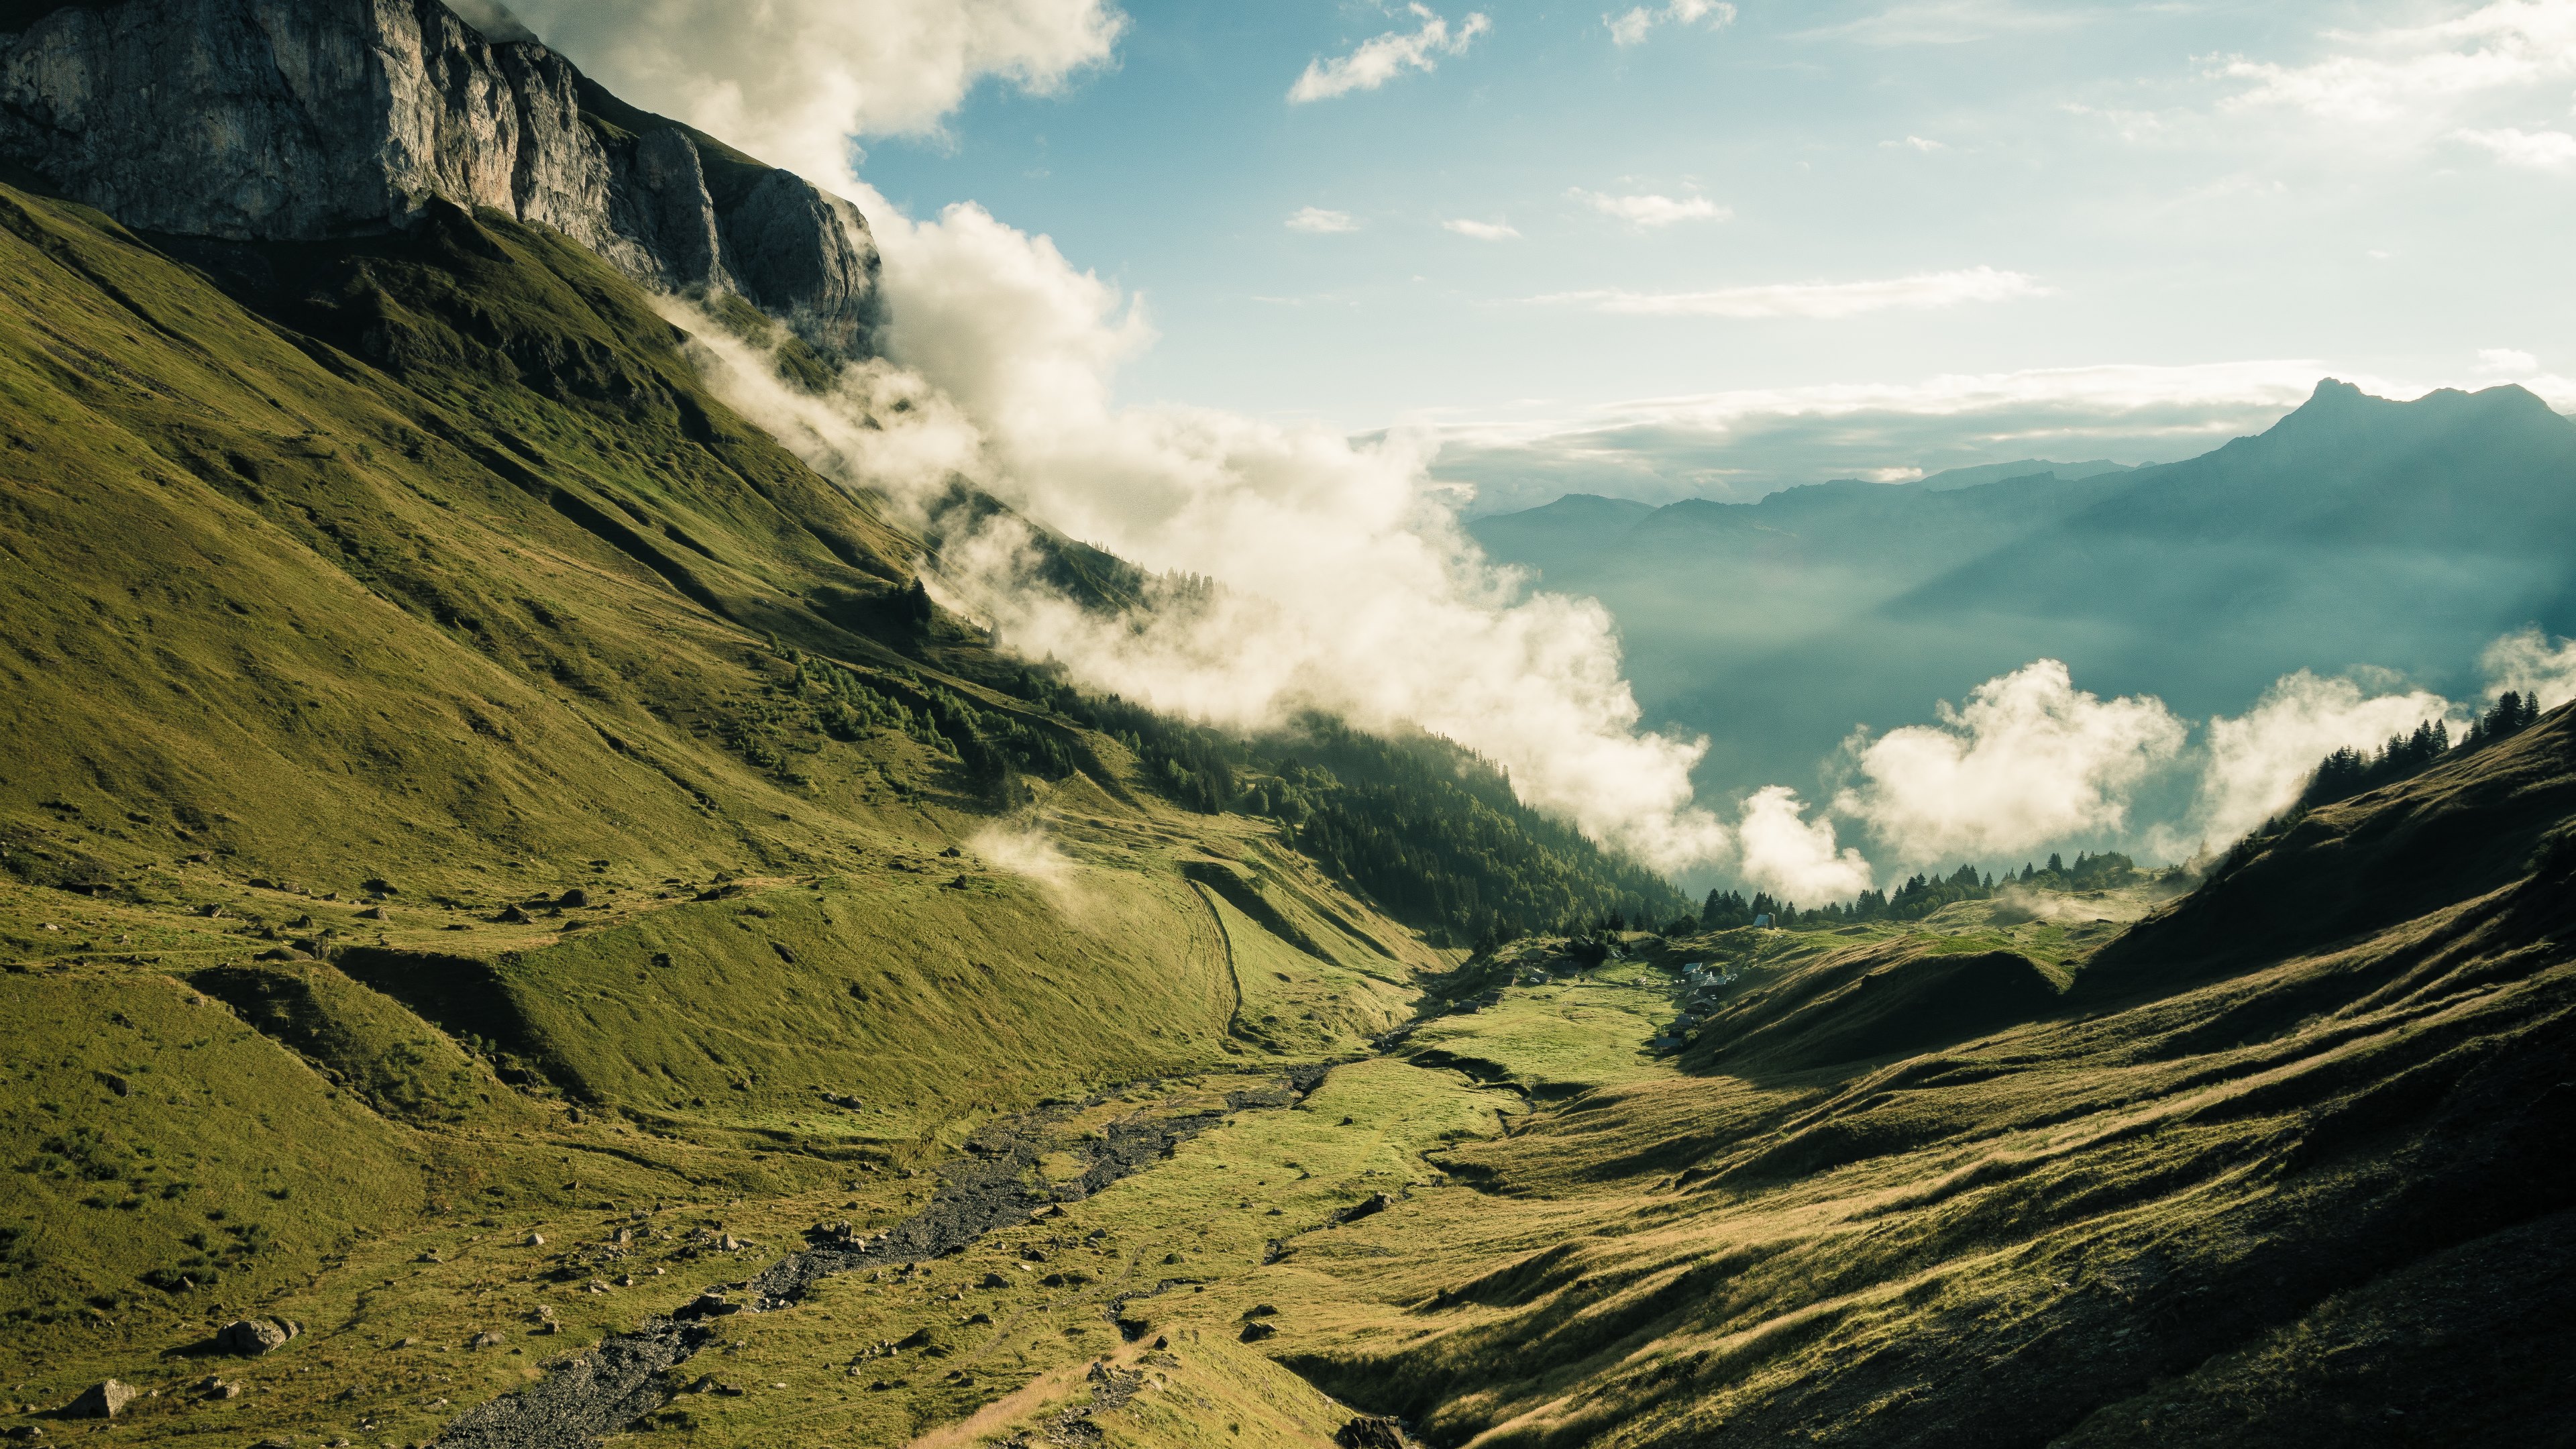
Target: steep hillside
column 458, row 773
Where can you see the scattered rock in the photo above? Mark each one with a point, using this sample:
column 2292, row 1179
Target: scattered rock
column 536, row 1240
column 251, row 1337
column 1261, row 1310
column 994, row 1280
column 372, row 913
column 210, row 912
column 1256, row 1331
column 485, row 1340
column 215, row 1388
column 574, row 899
column 1370, row 1206
column 1369, row 1431
column 101, row 1402
column 979, row 1318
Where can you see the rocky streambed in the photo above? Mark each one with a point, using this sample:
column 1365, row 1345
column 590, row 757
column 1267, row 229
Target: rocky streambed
column 584, row 1399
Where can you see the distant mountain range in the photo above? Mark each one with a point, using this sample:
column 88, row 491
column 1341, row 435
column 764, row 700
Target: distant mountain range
column 2356, row 532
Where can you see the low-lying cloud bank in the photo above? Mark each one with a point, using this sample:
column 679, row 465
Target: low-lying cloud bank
column 2031, row 764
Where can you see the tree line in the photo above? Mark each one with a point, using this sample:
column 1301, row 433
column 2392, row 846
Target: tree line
column 2349, row 772
column 1920, row 895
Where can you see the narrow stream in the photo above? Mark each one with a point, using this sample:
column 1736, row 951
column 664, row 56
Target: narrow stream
column 592, row 1395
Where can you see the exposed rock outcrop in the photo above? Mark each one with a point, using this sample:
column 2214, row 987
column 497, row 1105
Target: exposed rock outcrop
column 306, row 120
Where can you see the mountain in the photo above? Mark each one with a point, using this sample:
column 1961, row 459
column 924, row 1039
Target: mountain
column 523, row 926
column 277, row 120
column 2355, row 532
column 2025, row 468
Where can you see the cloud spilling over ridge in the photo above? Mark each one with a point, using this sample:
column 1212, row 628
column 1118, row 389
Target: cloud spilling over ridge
column 1345, row 583
column 2027, row 761
column 2529, row 662
column 1819, row 300
column 789, row 80
column 2259, row 761
column 1378, row 61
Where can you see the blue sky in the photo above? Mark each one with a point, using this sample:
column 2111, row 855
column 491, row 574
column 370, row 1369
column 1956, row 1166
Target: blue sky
column 2168, row 186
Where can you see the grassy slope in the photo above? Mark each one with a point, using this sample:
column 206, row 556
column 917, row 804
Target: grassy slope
column 445, row 576
column 2211, row 1194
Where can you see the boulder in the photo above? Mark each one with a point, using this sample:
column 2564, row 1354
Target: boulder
column 574, row 899
column 1370, row 1206
column 251, row 1337
column 1258, row 1330
column 1370, row 1431
column 102, row 1401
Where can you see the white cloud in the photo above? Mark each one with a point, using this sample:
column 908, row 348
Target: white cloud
column 2531, row 150
column 1632, row 27
column 1481, row 230
column 1317, row 219
column 1378, row 61
column 1914, row 143
column 2028, row 761
column 2506, row 362
column 1345, row 583
column 790, row 80
column 2417, row 75
column 1648, row 211
column 1792, row 857
column 2259, row 761
column 2530, row 662
column 1824, row 300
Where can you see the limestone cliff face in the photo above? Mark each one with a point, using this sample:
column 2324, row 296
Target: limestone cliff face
column 301, row 120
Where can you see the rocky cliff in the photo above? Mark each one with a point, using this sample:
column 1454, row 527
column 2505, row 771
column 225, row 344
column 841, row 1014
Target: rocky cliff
column 302, row 120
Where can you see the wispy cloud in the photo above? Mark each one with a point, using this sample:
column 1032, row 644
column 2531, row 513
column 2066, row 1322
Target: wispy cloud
column 2418, row 73
column 1744, row 443
column 1648, row 210
column 1632, row 27
column 1914, row 143
column 1320, row 220
column 1822, row 300
column 1378, row 61
column 2533, row 150
column 1481, row 230
column 2506, row 362
column 1952, row 22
